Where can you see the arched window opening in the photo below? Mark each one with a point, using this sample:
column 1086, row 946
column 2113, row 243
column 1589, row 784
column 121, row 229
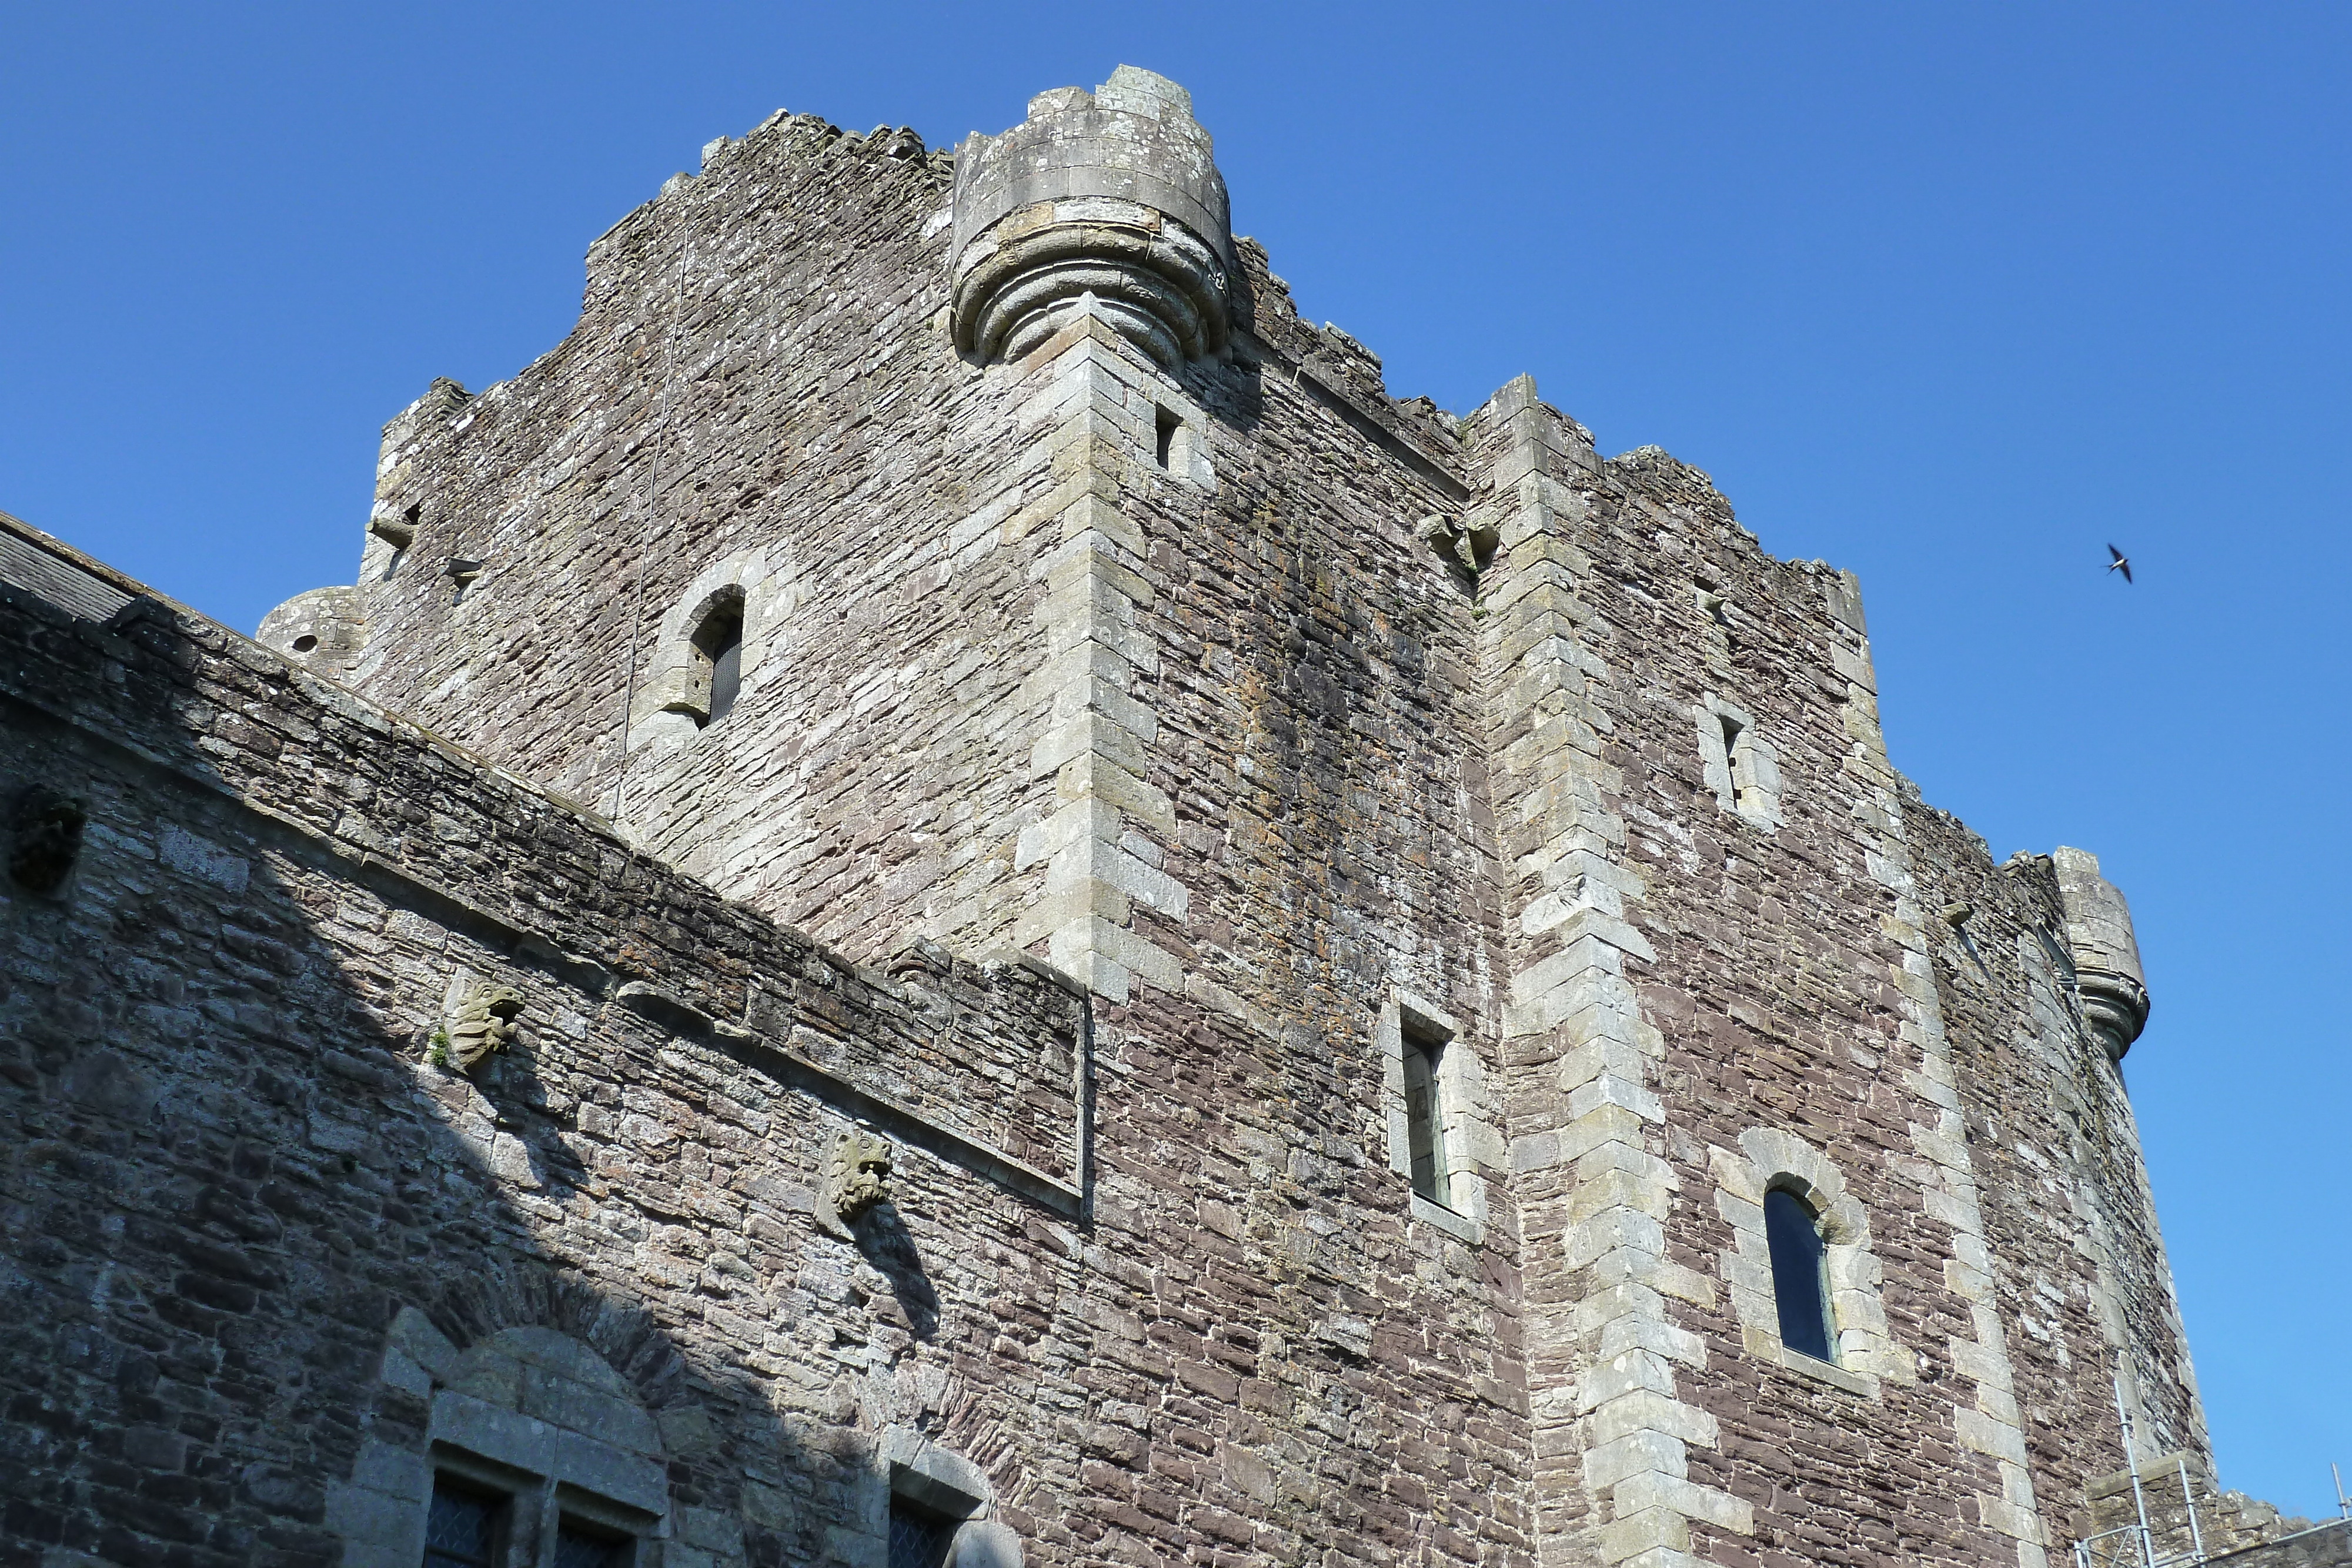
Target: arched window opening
column 1800, row 1282
column 719, row 643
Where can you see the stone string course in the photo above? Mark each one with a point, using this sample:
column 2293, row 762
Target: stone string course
column 1121, row 735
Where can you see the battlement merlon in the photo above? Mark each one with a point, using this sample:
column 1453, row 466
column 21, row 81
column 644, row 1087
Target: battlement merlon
column 2107, row 973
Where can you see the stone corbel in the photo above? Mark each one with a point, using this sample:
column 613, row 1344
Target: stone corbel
column 1469, row 546
column 2115, row 1007
column 479, row 1020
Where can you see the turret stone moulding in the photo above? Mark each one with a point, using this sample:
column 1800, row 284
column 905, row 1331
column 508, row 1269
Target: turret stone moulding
column 945, row 893
column 1112, row 194
column 2107, row 954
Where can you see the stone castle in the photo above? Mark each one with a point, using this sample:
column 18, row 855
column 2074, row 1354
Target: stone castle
column 945, row 895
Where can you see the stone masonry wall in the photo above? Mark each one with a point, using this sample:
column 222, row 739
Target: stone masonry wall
column 231, row 1164
column 1259, row 705
column 258, row 1226
column 2080, row 1264
column 741, row 393
column 1302, row 836
column 1779, row 948
column 1710, row 996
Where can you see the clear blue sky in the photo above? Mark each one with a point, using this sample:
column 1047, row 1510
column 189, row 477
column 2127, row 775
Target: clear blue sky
column 1952, row 296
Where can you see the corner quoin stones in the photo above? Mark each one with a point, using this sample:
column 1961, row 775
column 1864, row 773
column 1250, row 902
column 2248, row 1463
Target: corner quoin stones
column 1136, row 706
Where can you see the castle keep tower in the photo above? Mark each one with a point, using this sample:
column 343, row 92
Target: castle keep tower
column 946, row 889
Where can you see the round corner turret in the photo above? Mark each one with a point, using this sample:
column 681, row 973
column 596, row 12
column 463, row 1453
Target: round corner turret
column 1113, row 193
column 2107, row 973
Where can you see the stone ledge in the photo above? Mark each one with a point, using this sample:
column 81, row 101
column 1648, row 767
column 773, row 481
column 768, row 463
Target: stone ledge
column 1461, row 1227
column 1764, row 1348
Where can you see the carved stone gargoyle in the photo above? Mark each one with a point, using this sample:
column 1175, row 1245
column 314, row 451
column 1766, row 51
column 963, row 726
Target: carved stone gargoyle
column 482, row 1024
column 45, row 838
column 856, row 1178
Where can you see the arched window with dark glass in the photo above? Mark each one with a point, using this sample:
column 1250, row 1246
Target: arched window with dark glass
column 720, row 643
column 1800, row 1282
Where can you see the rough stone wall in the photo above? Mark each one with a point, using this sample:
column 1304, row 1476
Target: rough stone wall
column 1259, row 704
column 756, row 372
column 2078, row 1253
column 1303, row 835
column 1708, row 995
column 2229, row 1527
column 237, row 1164
column 232, row 1163
column 759, row 395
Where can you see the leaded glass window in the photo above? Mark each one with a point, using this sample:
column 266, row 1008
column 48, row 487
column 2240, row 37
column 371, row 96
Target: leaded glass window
column 918, row 1538
column 463, row 1529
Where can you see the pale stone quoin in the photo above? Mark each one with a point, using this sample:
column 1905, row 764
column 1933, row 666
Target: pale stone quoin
column 945, row 893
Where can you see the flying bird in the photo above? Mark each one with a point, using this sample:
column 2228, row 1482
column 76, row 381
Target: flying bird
column 2118, row 561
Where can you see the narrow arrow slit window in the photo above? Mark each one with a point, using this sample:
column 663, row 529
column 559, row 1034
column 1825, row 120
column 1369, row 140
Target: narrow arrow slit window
column 719, row 643
column 1424, row 1114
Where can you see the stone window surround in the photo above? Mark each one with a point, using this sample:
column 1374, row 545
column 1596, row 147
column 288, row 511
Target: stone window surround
column 1472, row 1141
column 1769, row 1158
column 1188, row 446
column 914, row 1468
column 549, row 1472
column 1760, row 798
column 673, row 694
column 538, row 1503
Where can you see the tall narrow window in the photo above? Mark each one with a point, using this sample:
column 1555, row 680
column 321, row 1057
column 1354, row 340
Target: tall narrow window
column 1170, row 427
column 719, row 641
column 919, row 1537
column 1733, row 763
column 1424, row 1118
column 463, row 1528
column 1800, row 1285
